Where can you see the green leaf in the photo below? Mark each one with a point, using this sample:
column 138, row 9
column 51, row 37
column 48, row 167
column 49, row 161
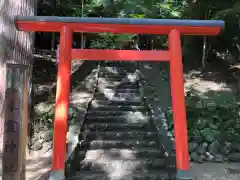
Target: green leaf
column 209, row 134
column 201, row 123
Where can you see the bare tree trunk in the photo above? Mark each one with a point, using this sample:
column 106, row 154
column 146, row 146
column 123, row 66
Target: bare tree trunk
column 53, row 39
column 203, row 64
column 15, row 46
column 205, row 50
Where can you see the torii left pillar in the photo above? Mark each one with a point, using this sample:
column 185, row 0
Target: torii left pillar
column 62, row 102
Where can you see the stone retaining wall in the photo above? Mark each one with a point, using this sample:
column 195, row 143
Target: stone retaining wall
column 153, row 88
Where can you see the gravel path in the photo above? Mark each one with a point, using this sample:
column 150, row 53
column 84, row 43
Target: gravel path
column 216, row 171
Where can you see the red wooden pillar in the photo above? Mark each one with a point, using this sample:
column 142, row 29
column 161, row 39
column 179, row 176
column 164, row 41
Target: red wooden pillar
column 178, row 105
column 62, row 101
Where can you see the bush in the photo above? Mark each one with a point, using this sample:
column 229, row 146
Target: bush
column 209, row 120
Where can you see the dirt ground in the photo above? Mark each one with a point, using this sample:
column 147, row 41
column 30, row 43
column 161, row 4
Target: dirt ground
column 39, row 165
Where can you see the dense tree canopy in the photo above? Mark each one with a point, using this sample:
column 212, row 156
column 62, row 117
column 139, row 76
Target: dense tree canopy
column 224, row 45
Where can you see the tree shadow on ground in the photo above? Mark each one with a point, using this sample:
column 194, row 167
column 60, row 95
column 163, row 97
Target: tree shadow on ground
column 218, row 71
column 218, row 76
column 38, row 168
column 45, row 74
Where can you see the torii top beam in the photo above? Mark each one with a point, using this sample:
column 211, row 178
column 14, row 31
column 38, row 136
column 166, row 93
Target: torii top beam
column 119, row 25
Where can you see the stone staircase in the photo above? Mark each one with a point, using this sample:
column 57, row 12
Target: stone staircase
column 118, row 140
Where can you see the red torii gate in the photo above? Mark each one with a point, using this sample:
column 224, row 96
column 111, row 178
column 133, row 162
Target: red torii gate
column 171, row 27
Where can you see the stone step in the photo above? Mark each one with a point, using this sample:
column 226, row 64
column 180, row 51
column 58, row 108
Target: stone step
column 137, row 135
column 119, row 99
column 89, row 175
column 119, row 85
column 114, row 75
column 117, row 119
column 118, row 77
column 119, row 154
column 111, row 78
column 118, row 127
column 117, row 94
column 115, row 65
column 118, row 68
column 119, row 65
column 126, row 165
column 117, row 90
column 129, row 63
column 108, row 144
column 114, row 92
column 131, row 77
column 114, row 84
column 92, row 112
column 118, row 107
column 134, row 102
column 119, row 74
column 127, row 80
column 112, row 71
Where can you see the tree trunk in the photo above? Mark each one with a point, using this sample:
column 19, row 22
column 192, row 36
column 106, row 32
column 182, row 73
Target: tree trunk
column 15, row 47
column 203, row 64
column 53, row 39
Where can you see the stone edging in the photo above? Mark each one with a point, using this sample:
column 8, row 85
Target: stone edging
column 75, row 129
column 160, row 121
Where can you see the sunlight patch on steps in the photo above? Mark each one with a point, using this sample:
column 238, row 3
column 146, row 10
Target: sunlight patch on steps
column 113, row 164
column 123, row 154
column 112, row 70
column 136, row 117
column 132, row 77
column 110, row 94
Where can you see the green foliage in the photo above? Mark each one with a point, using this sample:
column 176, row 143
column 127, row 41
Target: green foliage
column 210, row 119
column 223, row 10
column 104, row 40
column 228, row 10
column 46, row 117
column 171, row 8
